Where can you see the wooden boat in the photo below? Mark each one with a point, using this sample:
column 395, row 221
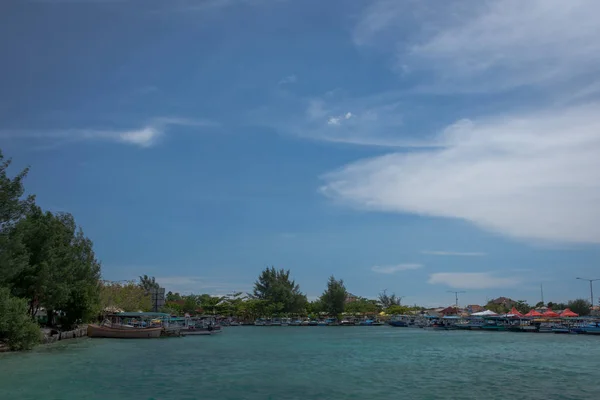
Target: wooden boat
column 99, row 331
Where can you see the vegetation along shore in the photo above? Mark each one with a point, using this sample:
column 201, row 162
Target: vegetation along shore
column 50, row 282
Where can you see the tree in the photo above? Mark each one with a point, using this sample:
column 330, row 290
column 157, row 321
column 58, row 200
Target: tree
column 148, row 283
column 334, row 297
column 128, row 296
column 17, row 330
column 61, row 272
column 497, row 308
column 388, row 301
column 540, row 304
column 580, row 306
column 363, row 306
column 522, row 306
column 173, row 296
column 13, row 207
column 398, row 310
column 276, row 287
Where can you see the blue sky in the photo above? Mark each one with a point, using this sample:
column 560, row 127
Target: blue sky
column 418, row 147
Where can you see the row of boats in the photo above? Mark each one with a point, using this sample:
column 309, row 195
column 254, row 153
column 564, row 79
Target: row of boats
column 152, row 325
column 579, row 325
column 317, row 322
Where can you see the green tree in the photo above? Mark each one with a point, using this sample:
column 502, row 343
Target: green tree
column 17, row 329
column 126, row 296
column 580, row 306
column 363, row 306
column 497, row 308
column 13, row 208
column 334, row 297
column 276, row 287
column 173, row 296
column 61, row 272
column 522, row 306
column 389, row 300
column 148, row 283
column 398, row 310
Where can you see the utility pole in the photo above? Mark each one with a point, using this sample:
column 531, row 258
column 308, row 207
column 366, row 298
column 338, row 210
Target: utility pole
column 456, row 295
column 542, row 290
column 591, row 288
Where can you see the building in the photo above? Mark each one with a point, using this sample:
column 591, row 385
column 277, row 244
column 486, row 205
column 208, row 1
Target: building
column 473, row 308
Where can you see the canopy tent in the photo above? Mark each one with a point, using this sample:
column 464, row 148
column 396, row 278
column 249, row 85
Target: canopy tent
column 568, row 313
column 484, row 313
column 550, row 314
column 514, row 313
column 533, row 313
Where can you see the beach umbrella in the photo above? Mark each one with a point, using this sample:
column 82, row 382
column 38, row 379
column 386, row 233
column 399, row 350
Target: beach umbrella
column 550, row 314
column 568, row 313
column 533, row 313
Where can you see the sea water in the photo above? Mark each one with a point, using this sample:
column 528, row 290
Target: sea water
column 311, row 363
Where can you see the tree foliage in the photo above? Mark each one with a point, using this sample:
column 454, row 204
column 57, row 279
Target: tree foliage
column 276, row 287
column 363, row 306
column 17, row 330
column 389, row 300
column 61, row 272
column 126, row 296
column 334, row 297
column 148, row 283
column 580, row 306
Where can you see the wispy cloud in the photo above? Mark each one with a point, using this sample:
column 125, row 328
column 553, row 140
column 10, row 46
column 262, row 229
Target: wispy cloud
column 472, row 280
column 453, row 253
column 391, row 269
column 146, row 136
column 533, row 176
column 288, row 79
column 487, row 45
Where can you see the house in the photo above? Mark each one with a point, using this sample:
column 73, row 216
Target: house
column 452, row 310
column 473, row 308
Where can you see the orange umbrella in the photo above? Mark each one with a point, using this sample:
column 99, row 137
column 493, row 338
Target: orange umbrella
column 533, row 313
column 568, row 313
column 550, row 314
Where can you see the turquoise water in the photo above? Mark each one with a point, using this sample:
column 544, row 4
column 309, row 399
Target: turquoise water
column 311, row 363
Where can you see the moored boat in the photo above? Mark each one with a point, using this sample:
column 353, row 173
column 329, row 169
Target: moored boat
column 101, row 331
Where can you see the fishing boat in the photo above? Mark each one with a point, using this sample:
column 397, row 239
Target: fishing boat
column 591, row 329
column 131, row 326
column 102, row 331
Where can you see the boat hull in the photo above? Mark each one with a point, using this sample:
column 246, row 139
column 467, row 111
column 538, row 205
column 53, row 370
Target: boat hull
column 97, row 331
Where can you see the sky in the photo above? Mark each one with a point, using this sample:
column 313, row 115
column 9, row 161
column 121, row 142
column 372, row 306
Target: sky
column 401, row 145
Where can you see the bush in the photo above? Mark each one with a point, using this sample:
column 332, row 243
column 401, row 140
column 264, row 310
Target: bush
column 16, row 327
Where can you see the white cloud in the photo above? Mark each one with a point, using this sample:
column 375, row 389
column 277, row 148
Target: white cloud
column 471, row 280
column 453, row 253
column 146, row 136
column 348, row 115
column 288, row 79
column 533, row 176
column 390, row 269
column 333, row 121
column 487, row 45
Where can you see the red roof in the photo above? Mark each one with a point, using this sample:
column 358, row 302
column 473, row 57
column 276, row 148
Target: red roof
column 568, row 313
column 515, row 312
column 533, row 313
column 550, row 314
